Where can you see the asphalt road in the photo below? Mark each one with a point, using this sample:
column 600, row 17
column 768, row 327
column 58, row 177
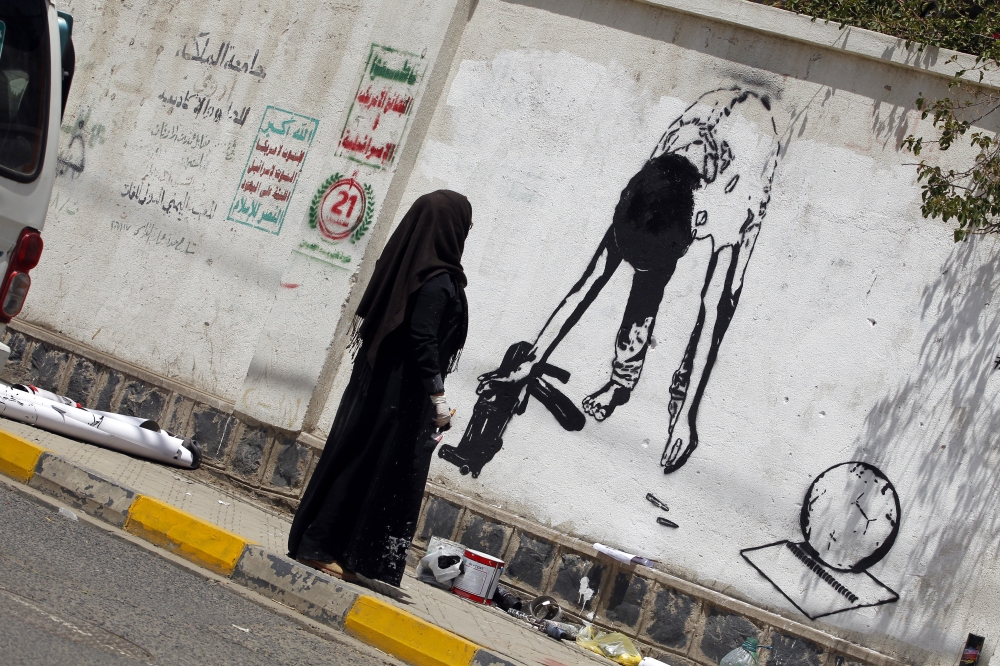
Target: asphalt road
column 73, row 593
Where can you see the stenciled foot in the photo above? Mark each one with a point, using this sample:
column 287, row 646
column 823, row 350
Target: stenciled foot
column 682, row 440
column 602, row 404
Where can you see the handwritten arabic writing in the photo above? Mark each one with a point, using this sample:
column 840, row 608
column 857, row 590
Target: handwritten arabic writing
column 218, row 59
column 381, row 108
column 153, row 236
column 162, row 131
column 144, row 195
column 203, row 107
column 273, row 169
column 312, row 249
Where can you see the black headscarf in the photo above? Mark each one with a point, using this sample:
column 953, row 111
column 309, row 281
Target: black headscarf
column 428, row 241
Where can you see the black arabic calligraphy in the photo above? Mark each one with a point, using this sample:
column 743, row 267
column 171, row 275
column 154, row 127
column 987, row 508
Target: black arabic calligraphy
column 202, row 107
column 218, row 59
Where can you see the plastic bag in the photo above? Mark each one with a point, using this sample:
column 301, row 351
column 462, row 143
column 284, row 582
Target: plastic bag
column 442, row 564
column 615, row 646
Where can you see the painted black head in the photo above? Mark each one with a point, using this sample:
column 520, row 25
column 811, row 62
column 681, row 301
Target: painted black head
column 652, row 220
column 661, row 196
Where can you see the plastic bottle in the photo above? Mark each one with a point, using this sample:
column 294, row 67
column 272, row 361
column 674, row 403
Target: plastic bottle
column 744, row 655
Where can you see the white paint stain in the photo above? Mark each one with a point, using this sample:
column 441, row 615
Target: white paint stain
column 586, row 593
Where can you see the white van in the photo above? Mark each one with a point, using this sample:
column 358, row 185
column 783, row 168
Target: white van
column 36, row 67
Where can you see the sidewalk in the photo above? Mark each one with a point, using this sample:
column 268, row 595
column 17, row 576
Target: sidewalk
column 490, row 635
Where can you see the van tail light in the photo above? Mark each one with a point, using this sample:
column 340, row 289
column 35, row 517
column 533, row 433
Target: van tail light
column 17, row 291
column 16, row 281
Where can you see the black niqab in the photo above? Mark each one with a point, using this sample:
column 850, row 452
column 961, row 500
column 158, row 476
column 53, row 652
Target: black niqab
column 428, row 241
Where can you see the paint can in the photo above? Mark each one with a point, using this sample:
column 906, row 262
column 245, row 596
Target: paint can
column 479, row 578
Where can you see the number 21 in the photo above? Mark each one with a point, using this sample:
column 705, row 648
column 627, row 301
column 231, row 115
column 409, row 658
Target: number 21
column 341, row 200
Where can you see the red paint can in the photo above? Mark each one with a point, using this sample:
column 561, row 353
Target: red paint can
column 479, row 578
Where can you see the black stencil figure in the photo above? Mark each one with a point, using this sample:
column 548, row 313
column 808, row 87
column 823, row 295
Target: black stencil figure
column 709, row 178
column 849, row 520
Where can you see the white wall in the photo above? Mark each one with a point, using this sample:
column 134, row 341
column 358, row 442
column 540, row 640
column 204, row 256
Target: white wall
column 862, row 334
column 242, row 312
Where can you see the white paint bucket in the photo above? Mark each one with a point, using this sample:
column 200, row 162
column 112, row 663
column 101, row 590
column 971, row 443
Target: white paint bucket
column 479, row 578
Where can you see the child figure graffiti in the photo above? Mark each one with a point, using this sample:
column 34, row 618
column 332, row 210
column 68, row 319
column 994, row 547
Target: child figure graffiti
column 709, row 178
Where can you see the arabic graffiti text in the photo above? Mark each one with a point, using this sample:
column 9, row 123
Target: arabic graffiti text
column 153, row 235
column 199, row 49
column 203, row 107
column 273, row 169
column 175, row 134
column 179, row 205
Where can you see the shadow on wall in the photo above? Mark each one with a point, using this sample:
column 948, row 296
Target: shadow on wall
column 938, row 429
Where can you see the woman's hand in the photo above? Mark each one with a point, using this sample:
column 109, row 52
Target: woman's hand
column 518, row 373
column 442, row 412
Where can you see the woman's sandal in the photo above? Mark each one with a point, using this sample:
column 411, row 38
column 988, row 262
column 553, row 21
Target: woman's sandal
column 332, row 569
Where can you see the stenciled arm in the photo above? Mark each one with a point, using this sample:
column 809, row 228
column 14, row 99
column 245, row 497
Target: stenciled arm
column 600, row 269
column 723, row 286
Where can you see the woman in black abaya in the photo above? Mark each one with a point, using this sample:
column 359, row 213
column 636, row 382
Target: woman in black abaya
column 359, row 512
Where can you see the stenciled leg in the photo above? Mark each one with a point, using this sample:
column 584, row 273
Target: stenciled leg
column 724, row 281
column 632, row 342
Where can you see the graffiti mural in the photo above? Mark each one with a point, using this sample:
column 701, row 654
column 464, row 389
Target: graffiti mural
column 849, row 520
column 707, row 180
column 83, row 134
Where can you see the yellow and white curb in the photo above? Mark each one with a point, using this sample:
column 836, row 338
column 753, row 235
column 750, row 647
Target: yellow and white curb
column 314, row 594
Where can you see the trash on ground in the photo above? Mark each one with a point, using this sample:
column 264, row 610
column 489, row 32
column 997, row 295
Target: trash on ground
column 649, row 661
column 479, row 578
column 562, row 631
column 622, row 556
column 504, row 599
column 547, row 626
column 744, row 655
column 442, row 564
column 524, row 617
column 614, row 645
column 224, row 503
column 545, row 608
column 66, row 513
column 128, row 434
column 243, row 629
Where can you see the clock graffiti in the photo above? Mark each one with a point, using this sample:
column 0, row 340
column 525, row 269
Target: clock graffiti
column 849, row 521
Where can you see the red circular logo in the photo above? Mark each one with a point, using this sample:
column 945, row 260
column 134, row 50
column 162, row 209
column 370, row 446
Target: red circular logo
column 341, row 210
